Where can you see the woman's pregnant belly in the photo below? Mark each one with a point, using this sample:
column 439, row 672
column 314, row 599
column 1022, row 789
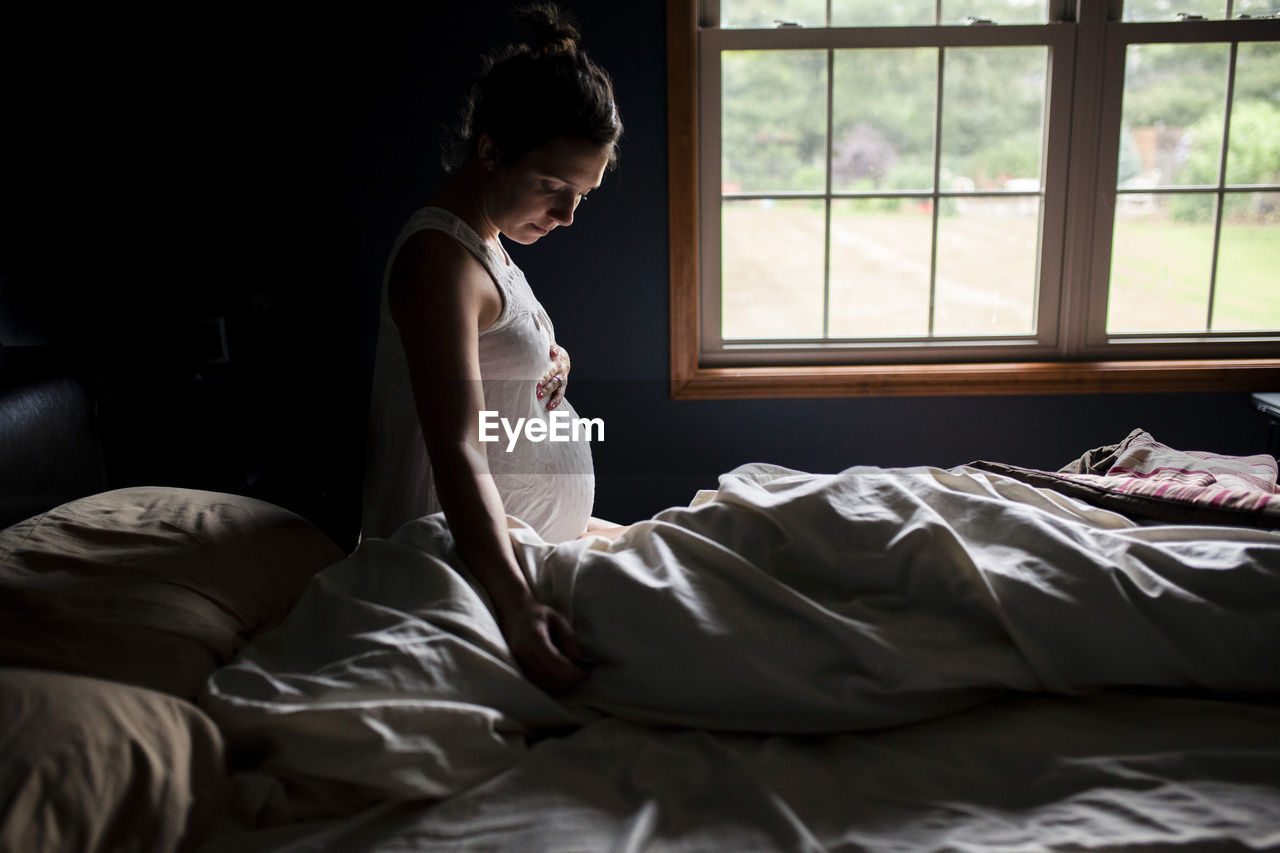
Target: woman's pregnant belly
column 541, row 464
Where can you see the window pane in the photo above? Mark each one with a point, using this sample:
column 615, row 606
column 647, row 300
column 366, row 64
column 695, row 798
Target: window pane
column 997, row 11
column 993, row 116
column 876, row 13
column 771, row 261
column 1253, row 151
column 880, row 250
column 774, row 112
column 884, row 143
column 1246, row 295
column 1174, row 109
column 1255, row 8
column 1168, row 10
column 1161, row 257
column 753, row 14
column 987, row 272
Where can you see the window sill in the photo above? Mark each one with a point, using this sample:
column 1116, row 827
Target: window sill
column 722, row 383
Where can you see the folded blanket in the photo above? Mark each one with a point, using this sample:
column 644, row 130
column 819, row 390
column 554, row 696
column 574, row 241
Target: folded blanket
column 1146, row 479
column 781, row 602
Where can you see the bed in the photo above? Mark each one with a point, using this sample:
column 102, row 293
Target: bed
column 191, row 670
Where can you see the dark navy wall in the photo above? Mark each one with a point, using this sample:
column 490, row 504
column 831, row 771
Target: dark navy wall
column 604, row 281
column 258, row 169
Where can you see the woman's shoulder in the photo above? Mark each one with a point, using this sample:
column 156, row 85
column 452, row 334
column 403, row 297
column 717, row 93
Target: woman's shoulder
column 432, row 251
column 440, row 220
column 432, row 270
column 459, row 233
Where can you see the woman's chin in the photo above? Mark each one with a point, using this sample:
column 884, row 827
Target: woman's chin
column 525, row 237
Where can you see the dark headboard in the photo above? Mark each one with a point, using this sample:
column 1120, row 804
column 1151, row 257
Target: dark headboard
column 50, row 446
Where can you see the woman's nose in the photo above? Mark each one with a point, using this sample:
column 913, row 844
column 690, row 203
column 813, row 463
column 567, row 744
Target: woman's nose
column 563, row 211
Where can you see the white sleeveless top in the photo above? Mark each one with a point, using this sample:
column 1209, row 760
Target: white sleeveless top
column 549, row 485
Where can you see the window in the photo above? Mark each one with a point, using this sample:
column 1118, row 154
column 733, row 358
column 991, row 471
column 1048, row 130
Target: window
column 974, row 196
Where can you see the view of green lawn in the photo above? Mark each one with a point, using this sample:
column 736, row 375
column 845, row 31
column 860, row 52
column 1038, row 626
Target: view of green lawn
column 1160, row 277
column 880, row 261
column 772, row 273
column 982, row 130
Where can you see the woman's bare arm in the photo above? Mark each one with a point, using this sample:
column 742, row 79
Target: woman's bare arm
column 440, row 297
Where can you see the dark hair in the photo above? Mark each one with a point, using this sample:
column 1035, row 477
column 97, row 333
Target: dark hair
column 529, row 94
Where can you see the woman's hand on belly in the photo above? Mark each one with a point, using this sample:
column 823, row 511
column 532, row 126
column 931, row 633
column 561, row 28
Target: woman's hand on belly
column 551, row 386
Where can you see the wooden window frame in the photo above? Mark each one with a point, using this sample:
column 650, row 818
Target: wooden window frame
column 692, row 378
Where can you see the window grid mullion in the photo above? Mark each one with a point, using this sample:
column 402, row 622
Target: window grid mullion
column 826, row 230
column 1222, row 182
column 937, row 178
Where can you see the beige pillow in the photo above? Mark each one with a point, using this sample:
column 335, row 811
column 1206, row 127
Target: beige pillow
column 152, row 586
column 94, row 765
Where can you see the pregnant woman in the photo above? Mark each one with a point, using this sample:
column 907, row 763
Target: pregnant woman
column 462, row 334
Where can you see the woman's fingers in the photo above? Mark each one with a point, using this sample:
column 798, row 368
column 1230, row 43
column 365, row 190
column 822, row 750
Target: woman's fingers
column 551, row 386
column 552, row 389
column 550, row 668
column 544, row 645
column 563, row 638
column 557, row 393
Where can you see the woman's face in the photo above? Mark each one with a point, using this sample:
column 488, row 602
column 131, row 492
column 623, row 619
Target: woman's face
column 541, row 190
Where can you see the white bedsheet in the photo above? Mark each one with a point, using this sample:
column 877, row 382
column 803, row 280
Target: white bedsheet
column 783, row 602
column 1111, row 771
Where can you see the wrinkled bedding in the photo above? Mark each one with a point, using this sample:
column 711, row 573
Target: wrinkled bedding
column 781, row 603
column 1116, row 770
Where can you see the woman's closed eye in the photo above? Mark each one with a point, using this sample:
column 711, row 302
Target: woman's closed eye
column 552, row 188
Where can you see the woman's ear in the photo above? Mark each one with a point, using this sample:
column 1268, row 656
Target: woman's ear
column 490, row 154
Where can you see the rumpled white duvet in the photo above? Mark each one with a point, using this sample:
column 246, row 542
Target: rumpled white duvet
column 783, row 602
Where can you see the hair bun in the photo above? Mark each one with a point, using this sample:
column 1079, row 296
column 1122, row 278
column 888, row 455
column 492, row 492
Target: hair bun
column 551, row 27
column 527, row 95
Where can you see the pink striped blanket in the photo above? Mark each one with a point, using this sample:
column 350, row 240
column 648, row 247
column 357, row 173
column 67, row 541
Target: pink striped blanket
column 1147, row 479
